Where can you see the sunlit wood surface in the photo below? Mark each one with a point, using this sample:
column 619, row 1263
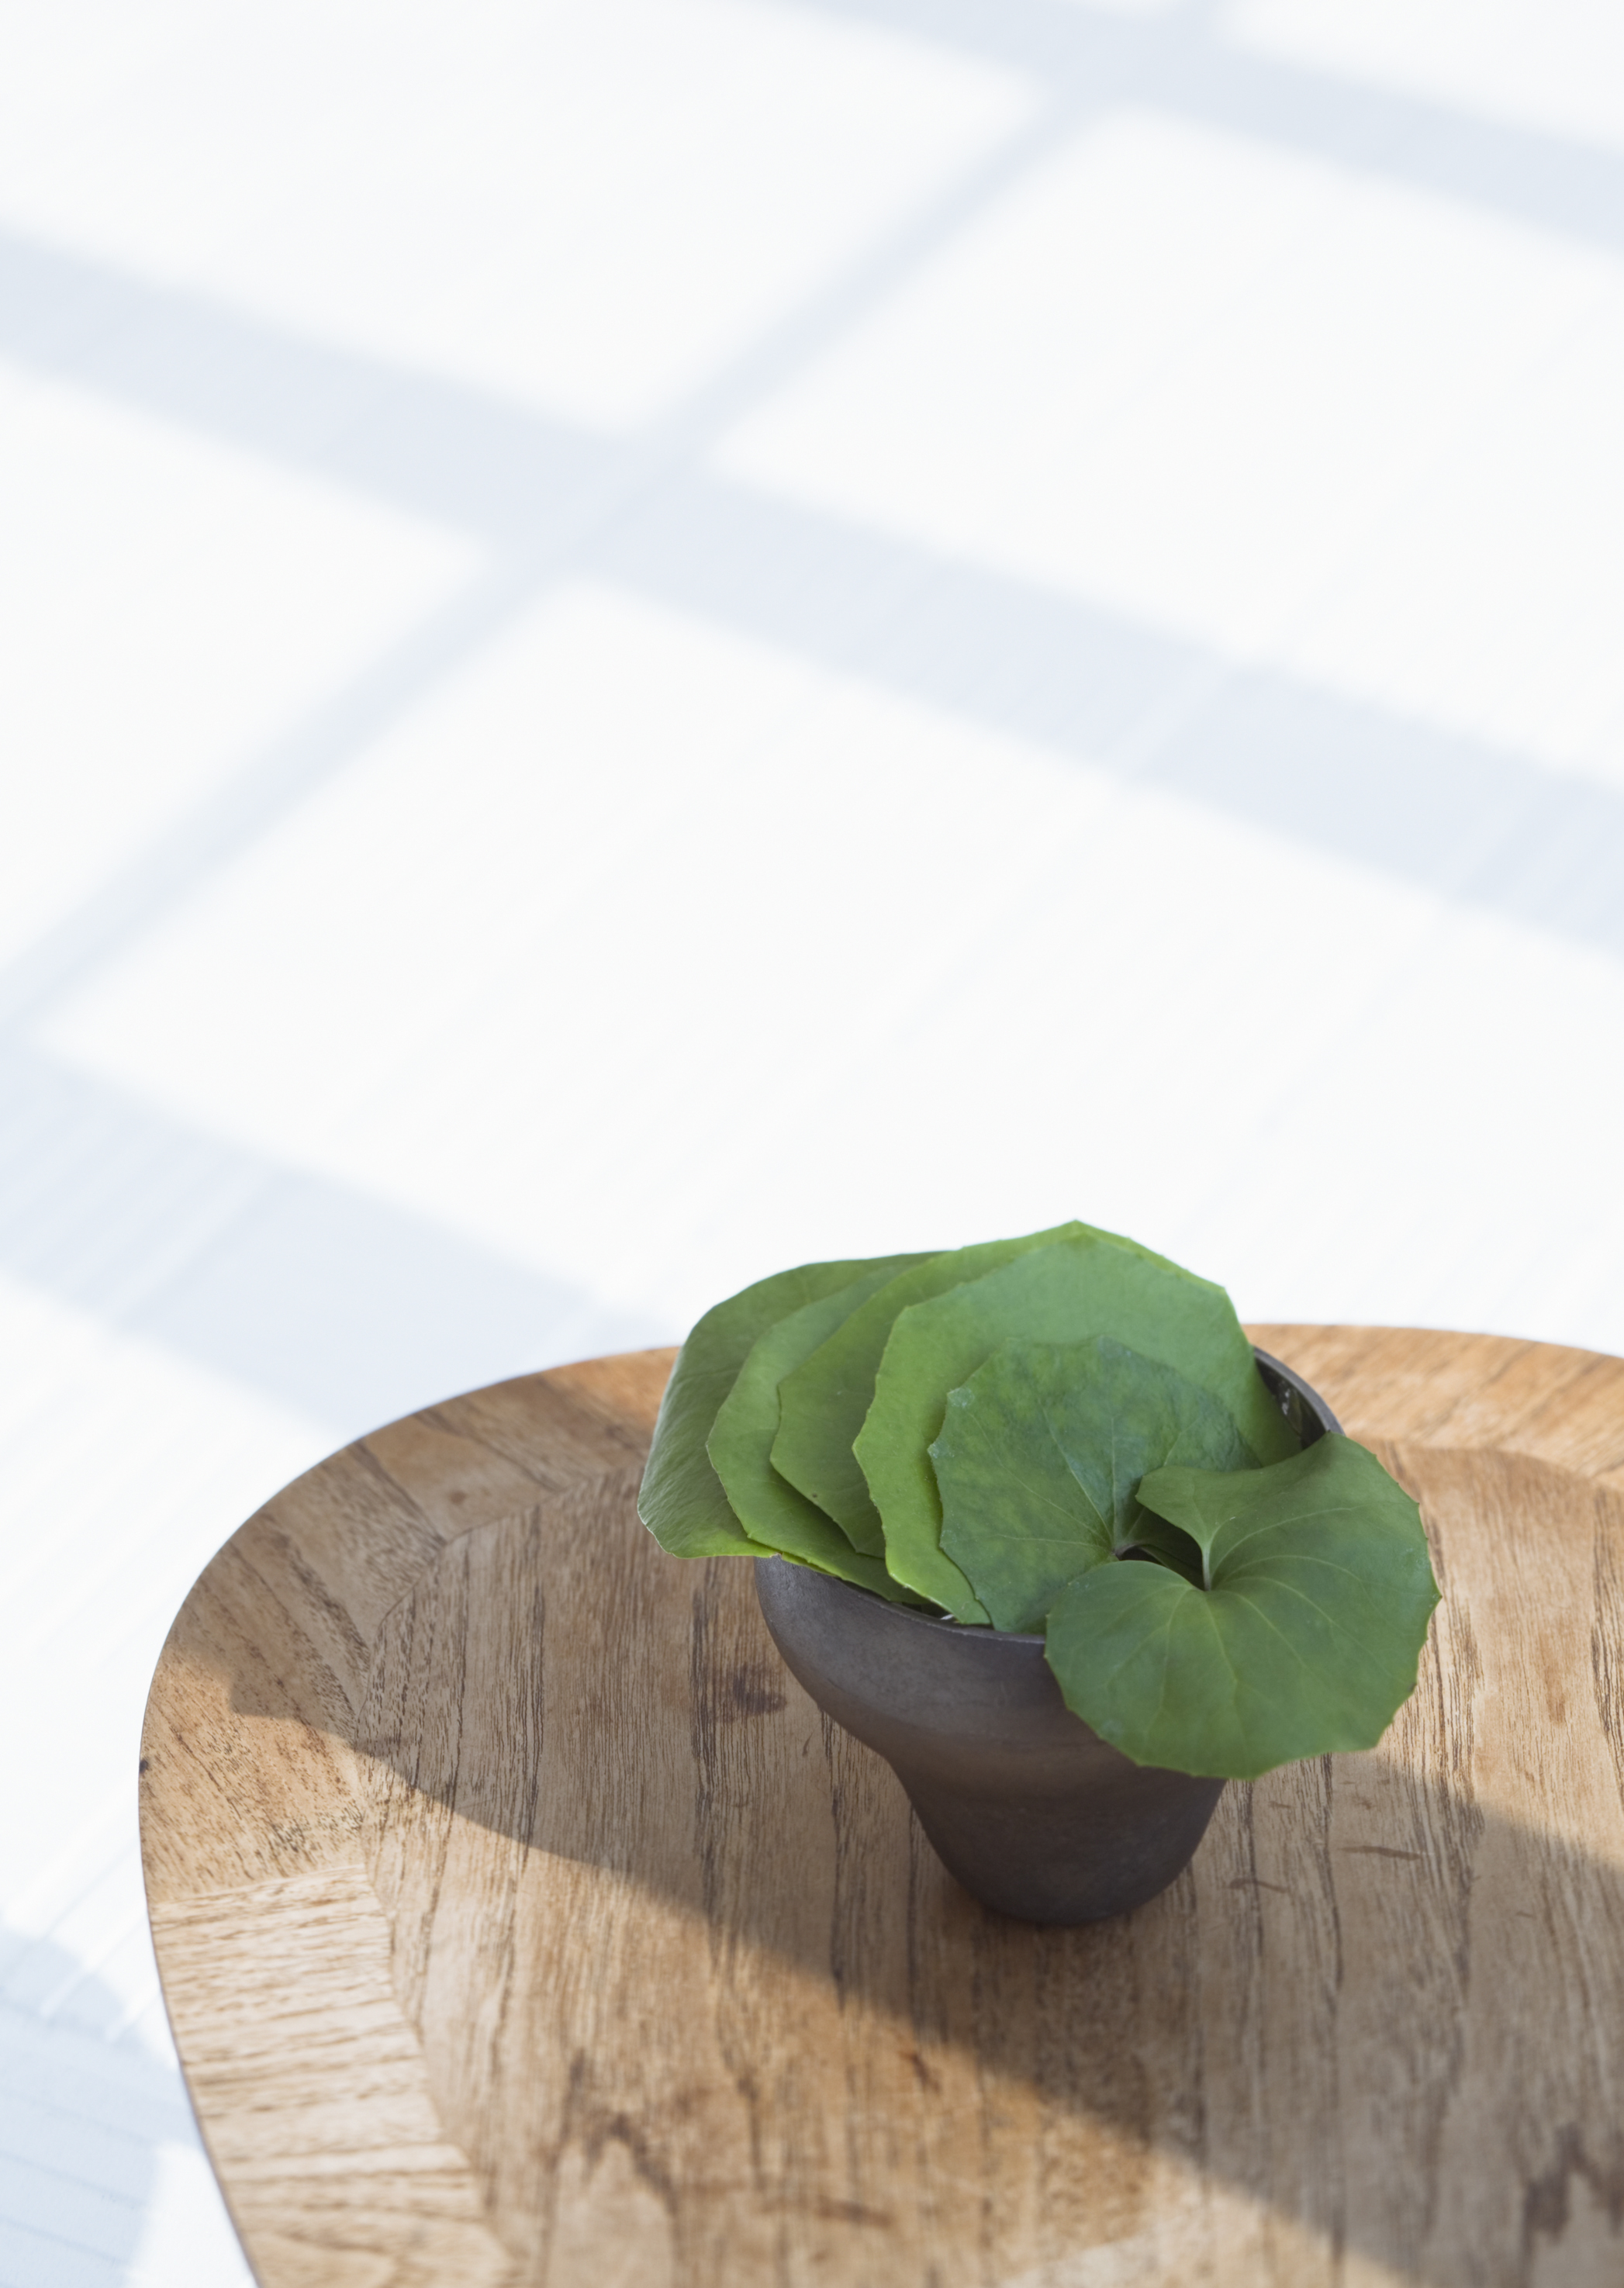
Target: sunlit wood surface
column 520, row 1920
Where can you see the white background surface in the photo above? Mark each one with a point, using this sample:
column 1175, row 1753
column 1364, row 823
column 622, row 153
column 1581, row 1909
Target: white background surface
column 644, row 638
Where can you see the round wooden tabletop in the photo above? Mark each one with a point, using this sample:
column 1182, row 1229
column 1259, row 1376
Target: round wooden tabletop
column 521, row 1921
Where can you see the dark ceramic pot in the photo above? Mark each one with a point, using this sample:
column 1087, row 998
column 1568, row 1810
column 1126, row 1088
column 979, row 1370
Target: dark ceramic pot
column 1032, row 1811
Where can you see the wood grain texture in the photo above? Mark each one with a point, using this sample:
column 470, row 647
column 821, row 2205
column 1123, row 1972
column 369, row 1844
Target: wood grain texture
column 522, row 1922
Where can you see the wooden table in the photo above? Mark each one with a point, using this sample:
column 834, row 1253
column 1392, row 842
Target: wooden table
column 521, row 1921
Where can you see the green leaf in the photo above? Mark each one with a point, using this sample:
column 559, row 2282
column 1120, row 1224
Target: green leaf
column 1039, row 1462
column 681, row 1500
column 1306, row 1641
column 741, row 1442
column 1061, row 1294
column 823, row 1403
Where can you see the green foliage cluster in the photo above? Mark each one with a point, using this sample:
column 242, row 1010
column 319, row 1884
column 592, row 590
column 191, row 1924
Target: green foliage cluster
column 1067, row 1435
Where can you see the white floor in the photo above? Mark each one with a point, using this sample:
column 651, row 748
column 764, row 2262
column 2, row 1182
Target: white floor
column 646, row 638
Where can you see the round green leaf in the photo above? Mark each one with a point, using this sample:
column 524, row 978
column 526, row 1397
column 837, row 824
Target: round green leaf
column 1061, row 1294
column 1306, row 1641
column 822, row 1403
column 1039, row 1463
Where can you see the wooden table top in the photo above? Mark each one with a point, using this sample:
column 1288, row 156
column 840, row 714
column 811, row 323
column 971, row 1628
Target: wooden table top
column 521, row 1921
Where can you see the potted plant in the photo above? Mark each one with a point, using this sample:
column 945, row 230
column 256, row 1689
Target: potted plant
column 1033, row 1520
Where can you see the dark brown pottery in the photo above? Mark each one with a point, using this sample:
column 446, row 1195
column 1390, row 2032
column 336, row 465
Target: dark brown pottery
column 1032, row 1811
